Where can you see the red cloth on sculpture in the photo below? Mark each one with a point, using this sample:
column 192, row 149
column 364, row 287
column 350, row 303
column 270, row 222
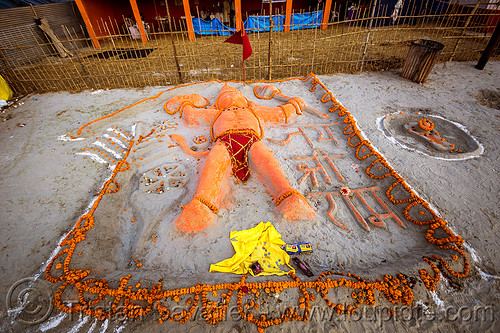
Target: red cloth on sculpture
column 238, row 144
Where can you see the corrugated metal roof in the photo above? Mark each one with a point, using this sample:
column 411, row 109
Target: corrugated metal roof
column 19, row 3
column 21, row 41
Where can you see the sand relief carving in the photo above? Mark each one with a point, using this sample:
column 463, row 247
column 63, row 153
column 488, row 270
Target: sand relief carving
column 417, row 129
column 318, row 156
column 110, row 150
column 356, row 200
column 323, row 165
column 319, row 173
column 141, row 155
column 424, row 129
column 153, row 187
column 236, row 130
column 316, row 168
column 325, row 128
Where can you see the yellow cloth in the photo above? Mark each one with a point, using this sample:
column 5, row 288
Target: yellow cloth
column 5, row 91
column 261, row 243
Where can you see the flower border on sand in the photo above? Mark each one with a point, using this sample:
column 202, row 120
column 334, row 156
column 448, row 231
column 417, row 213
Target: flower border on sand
column 136, row 301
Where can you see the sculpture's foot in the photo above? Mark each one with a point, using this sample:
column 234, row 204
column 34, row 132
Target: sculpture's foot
column 295, row 208
column 195, row 217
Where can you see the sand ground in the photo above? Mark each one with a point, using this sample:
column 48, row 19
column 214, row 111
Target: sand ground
column 47, row 185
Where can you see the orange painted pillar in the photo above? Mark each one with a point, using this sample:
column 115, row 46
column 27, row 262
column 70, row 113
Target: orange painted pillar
column 326, row 14
column 138, row 19
column 288, row 15
column 86, row 19
column 237, row 13
column 189, row 19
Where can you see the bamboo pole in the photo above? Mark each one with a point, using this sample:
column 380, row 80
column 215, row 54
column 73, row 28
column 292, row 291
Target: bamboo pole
column 292, row 46
column 259, row 44
column 181, row 27
column 86, row 75
column 100, row 65
column 271, row 24
column 367, row 39
column 329, row 63
column 315, row 27
column 107, row 66
column 45, row 81
column 162, row 62
column 463, row 31
column 123, row 78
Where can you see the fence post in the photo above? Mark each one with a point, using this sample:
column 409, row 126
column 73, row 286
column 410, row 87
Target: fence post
column 138, row 20
column 368, row 35
column 495, row 38
column 326, row 14
column 237, row 14
column 189, row 19
column 288, row 15
column 86, row 20
column 168, row 16
column 271, row 23
column 87, row 77
column 314, row 46
column 175, row 57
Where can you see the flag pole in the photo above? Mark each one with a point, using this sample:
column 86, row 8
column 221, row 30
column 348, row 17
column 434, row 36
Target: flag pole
column 244, row 72
column 243, row 62
column 240, row 37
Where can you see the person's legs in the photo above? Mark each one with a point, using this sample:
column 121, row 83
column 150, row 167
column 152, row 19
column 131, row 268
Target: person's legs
column 202, row 210
column 292, row 204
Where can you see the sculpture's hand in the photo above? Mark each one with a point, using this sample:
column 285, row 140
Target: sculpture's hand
column 180, row 102
column 298, row 104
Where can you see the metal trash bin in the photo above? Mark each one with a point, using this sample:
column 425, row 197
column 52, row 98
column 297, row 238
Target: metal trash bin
column 420, row 60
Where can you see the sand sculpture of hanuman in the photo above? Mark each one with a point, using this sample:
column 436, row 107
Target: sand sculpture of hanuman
column 236, row 129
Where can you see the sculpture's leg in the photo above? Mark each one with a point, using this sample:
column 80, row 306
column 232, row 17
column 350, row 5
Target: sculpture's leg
column 201, row 211
column 262, row 162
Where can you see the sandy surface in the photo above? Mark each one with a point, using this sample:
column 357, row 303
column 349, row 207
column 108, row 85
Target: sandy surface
column 48, row 183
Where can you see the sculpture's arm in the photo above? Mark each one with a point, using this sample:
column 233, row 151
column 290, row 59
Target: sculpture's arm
column 285, row 113
column 198, row 117
column 192, row 108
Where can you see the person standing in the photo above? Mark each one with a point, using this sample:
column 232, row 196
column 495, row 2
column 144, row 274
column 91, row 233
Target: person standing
column 226, row 8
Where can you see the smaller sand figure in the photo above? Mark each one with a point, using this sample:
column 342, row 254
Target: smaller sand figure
column 424, row 129
column 236, row 130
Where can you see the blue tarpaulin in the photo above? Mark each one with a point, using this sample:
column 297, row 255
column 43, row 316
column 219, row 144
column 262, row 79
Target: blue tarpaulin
column 306, row 20
column 212, row 27
column 259, row 23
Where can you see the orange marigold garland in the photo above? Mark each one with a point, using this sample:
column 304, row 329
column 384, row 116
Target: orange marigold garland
column 429, row 280
column 406, row 188
column 425, row 124
column 353, row 132
column 137, row 302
